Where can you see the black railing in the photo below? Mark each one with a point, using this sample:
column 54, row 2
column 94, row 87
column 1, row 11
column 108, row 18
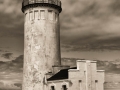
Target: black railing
column 55, row 2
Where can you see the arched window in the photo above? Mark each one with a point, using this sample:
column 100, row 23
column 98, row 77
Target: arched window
column 52, row 88
column 64, row 87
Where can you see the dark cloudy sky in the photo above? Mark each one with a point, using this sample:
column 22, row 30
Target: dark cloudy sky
column 90, row 29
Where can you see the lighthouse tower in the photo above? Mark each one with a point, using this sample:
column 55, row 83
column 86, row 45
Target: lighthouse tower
column 41, row 41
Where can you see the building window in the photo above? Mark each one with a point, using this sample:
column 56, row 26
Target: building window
column 64, row 87
column 50, row 15
column 42, row 14
column 80, row 82
column 52, row 88
column 96, row 84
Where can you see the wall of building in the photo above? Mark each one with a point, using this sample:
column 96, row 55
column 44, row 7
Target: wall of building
column 88, row 76
column 58, row 84
column 42, row 45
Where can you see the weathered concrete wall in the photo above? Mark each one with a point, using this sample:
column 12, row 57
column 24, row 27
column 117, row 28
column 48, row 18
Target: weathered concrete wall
column 41, row 45
column 86, row 76
column 101, row 80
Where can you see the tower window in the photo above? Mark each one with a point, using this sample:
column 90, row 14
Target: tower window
column 56, row 17
column 36, row 15
column 26, row 16
column 45, row 1
column 31, row 16
column 80, row 83
column 64, row 87
column 50, row 15
column 31, row 1
column 42, row 14
column 39, row 1
column 52, row 88
column 49, row 1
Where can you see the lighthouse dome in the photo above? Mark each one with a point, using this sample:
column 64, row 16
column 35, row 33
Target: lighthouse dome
column 52, row 3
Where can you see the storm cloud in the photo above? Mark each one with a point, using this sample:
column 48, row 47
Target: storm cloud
column 7, row 55
column 90, row 25
column 12, row 66
column 85, row 24
column 11, row 73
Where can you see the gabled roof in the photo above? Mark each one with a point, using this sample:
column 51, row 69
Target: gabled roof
column 62, row 74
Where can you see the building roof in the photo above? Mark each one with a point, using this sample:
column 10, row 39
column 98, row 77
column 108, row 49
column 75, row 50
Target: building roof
column 62, row 74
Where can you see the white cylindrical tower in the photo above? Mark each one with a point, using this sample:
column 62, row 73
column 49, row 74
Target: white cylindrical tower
column 41, row 41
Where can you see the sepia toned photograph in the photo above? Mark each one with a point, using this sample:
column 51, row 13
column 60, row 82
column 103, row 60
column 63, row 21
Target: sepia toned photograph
column 59, row 44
